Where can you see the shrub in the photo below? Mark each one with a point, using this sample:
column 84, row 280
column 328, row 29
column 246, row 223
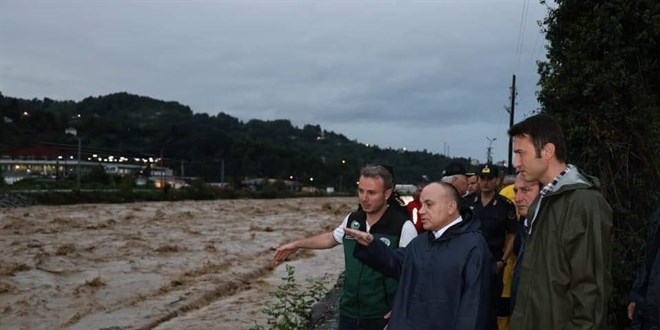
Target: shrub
column 292, row 304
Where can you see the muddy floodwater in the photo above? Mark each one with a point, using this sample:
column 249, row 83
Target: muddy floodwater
column 156, row 265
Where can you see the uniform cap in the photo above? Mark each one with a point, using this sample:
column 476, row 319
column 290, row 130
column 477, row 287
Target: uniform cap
column 488, row 170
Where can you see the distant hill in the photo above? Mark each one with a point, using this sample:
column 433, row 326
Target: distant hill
column 200, row 143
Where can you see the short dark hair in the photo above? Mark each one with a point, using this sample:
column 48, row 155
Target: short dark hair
column 542, row 129
column 379, row 171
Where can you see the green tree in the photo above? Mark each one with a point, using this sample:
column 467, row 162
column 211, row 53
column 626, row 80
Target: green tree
column 144, row 127
column 601, row 81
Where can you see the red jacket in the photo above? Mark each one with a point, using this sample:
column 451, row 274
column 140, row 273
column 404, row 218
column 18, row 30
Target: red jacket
column 413, row 207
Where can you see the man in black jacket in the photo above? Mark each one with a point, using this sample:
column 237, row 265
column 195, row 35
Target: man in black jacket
column 444, row 273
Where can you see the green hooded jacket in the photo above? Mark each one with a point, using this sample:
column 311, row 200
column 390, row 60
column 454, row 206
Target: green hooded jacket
column 565, row 281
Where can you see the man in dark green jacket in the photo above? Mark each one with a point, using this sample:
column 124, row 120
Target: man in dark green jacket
column 565, row 280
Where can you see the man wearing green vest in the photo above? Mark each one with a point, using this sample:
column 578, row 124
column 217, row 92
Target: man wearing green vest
column 367, row 295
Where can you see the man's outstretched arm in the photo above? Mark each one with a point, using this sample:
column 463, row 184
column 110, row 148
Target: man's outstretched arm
column 321, row 241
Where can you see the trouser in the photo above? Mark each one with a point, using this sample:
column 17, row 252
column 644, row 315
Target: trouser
column 349, row 323
column 495, row 298
column 646, row 318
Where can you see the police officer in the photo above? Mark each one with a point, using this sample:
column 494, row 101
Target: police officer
column 498, row 224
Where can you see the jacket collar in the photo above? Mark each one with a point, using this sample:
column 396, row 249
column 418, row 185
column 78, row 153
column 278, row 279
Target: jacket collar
column 468, row 224
column 572, row 180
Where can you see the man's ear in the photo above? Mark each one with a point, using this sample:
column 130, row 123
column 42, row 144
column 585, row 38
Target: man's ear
column 388, row 193
column 453, row 207
column 548, row 151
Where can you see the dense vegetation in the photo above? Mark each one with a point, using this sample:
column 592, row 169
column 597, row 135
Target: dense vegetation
column 202, row 142
column 602, row 82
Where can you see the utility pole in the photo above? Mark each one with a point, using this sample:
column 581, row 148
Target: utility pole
column 489, row 155
column 78, row 164
column 222, row 170
column 74, row 132
column 511, row 111
column 162, row 170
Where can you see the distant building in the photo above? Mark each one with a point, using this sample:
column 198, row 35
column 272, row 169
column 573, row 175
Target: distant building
column 58, row 160
column 256, row 184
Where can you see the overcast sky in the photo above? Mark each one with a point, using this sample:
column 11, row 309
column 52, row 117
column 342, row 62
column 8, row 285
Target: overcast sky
column 413, row 74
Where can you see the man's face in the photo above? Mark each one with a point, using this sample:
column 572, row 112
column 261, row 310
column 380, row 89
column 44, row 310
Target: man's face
column 473, row 184
column 525, row 192
column 437, row 209
column 487, row 184
column 526, row 163
column 417, row 192
column 460, row 183
column 372, row 194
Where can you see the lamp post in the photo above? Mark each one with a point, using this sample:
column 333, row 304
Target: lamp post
column 341, row 175
column 489, row 157
column 74, row 132
column 78, row 164
column 57, row 168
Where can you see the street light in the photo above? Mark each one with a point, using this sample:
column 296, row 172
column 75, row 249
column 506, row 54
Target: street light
column 74, row 132
column 57, row 168
column 341, row 175
column 489, row 157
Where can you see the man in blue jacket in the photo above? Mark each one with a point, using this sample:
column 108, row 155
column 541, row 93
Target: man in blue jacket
column 444, row 273
column 644, row 307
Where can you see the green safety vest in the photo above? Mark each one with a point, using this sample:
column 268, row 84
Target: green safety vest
column 367, row 294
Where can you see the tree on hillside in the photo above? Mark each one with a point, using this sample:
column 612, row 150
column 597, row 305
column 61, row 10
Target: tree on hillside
column 204, row 146
column 601, row 80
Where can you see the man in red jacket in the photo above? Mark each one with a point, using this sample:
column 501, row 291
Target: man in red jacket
column 415, row 205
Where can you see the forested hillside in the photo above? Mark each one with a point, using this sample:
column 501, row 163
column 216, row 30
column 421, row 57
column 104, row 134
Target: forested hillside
column 201, row 142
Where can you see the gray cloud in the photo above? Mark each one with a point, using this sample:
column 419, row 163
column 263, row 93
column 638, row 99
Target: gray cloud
column 415, row 74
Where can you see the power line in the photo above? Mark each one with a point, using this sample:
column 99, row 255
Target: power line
column 521, row 33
